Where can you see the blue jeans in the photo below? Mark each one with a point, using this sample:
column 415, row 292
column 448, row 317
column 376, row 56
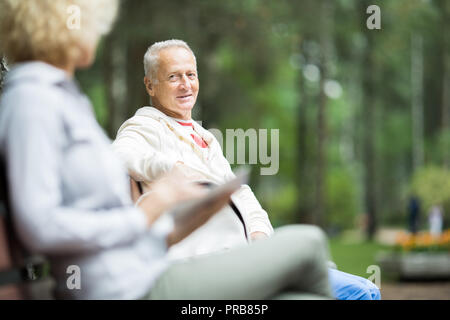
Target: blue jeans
column 346, row 286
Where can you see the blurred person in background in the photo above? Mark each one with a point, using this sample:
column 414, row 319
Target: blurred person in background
column 435, row 220
column 413, row 214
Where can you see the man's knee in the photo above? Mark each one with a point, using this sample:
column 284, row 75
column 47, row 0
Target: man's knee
column 305, row 238
column 310, row 234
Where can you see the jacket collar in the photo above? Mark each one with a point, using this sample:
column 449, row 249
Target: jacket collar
column 152, row 112
column 36, row 71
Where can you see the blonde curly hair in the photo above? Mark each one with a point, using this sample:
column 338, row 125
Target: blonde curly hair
column 44, row 29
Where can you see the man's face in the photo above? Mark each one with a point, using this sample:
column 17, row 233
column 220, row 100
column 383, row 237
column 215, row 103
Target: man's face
column 177, row 87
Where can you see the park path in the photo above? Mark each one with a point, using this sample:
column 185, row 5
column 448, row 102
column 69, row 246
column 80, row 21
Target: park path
column 416, row 291
column 434, row 290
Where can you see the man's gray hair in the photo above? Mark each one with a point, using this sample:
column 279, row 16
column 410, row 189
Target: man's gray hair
column 151, row 57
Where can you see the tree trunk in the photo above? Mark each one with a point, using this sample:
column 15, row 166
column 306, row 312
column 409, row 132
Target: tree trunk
column 114, row 58
column 417, row 101
column 108, row 72
column 303, row 176
column 325, row 46
column 137, row 95
column 321, row 153
column 368, row 87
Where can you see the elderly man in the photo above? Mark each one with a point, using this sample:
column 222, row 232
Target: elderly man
column 163, row 137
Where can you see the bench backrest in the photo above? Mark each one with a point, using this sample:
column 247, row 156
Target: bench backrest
column 10, row 287
column 18, row 269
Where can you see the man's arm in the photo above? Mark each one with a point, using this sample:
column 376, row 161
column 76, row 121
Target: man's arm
column 258, row 220
column 139, row 145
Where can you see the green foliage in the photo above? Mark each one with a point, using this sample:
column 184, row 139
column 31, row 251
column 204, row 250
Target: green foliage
column 341, row 205
column 252, row 59
column 355, row 257
column 432, row 186
column 97, row 96
column 280, row 203
column 443, row 143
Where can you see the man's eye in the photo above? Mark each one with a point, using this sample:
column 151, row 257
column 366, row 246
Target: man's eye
column 192, row 75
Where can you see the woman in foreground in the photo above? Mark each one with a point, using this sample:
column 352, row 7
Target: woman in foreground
column 70, row 194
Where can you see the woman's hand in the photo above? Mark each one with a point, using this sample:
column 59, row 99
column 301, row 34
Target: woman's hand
column 190, row 206
column 168, row 191
column 193, row 214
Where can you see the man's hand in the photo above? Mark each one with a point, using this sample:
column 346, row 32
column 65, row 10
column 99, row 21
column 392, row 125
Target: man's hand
column 187, row 172
column 258, row 235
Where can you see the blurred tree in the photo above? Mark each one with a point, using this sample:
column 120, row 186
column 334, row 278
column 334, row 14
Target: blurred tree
column 445, row 22
column 114, row 55
column 417, row 100
column 303, row 178
column 432, row 185
column 326, row 42
column 369, row 100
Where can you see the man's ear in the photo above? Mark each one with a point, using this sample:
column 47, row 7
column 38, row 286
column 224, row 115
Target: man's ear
column 149, row 86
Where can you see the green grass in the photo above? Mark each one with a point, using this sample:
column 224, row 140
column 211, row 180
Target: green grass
column 354, row 257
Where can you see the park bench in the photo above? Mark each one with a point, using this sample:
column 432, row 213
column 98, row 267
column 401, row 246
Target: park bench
column 22, row 275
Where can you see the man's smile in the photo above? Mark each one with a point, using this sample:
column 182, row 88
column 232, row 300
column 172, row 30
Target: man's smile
column 186, row 96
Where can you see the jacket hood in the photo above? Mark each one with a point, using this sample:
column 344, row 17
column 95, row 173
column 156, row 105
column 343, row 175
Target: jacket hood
column 153, row 113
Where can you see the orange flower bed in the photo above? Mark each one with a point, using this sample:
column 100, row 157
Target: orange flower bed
column 423, row 241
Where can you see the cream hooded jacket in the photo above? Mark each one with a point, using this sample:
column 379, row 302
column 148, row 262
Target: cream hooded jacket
column 150, row 143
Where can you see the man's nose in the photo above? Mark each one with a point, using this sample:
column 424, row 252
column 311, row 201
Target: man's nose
column 184, row 82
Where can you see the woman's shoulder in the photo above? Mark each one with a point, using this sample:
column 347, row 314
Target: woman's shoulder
column 29, row 101
column 26, row 109
column 34, row 84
